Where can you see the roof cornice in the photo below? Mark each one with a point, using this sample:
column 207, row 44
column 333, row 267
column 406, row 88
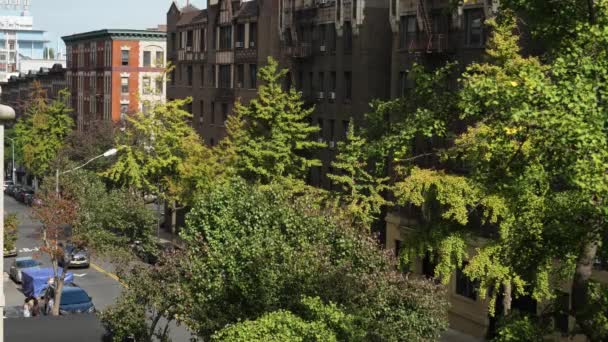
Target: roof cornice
column 117, row 34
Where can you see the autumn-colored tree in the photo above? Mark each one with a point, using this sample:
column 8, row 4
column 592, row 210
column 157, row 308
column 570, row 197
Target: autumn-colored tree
column 57, row 215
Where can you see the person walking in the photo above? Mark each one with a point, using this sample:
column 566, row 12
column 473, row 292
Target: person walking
column 27, row 309
column 35, row 311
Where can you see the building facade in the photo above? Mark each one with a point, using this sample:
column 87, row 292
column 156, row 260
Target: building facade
column 22, row 48
column 113, row 73
column 18, row 89
column 336, row 53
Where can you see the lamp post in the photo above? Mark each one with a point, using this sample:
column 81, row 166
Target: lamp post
column 6, row 113
column 13, row 175
column 106, row 154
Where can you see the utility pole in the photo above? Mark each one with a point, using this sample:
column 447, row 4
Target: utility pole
column 6, row 113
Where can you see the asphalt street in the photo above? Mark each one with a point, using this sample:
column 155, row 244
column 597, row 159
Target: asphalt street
column 98, row 280
column 99, row 285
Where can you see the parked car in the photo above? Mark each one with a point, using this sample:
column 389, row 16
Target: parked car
column 28, row 197
column 21, row 264
column 74, row 300
column 20, row 194
column 151, row 254
column 7, row 184
column 77, row 256
column 10, row 190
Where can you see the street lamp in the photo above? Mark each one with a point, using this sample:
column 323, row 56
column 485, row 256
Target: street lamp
column 106, row 154
column 6, row 113
column 13, row 164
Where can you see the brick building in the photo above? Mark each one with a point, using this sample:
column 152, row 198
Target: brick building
column 336, row 52
column 111, row 73
column 17, row 90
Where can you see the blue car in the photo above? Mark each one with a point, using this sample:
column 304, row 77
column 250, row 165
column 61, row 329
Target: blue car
column 74, row 300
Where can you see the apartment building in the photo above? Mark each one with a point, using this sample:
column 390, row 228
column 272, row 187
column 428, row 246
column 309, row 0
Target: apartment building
column 16, row 92
column 113, row 73
column 335, row 50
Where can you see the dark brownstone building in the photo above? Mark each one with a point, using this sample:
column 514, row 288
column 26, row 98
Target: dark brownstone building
column 337, row 52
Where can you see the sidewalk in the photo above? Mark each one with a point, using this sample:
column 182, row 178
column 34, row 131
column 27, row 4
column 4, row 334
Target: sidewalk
column 455, row 336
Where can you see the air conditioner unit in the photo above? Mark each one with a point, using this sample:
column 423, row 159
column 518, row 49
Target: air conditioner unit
column 332, row 144
column 238, row 45
column 239, row 85
column 332, row 95
column 322, row 48
column 322, row 2
column 189, row 48
column 320, row 95
column 251, row 44
column 320, row 140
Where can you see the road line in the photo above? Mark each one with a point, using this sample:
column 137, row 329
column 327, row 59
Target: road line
column 109, row 274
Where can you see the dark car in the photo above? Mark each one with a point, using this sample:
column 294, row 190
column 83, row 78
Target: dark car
column 28, row 197
column 76, row 256
column 20, row 194
column 11, row 189
column 74, row 300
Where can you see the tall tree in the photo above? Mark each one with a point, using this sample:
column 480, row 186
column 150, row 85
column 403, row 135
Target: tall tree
column 271, row 136
column 42, row 131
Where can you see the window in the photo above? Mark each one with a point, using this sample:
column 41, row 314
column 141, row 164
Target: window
column 240, row 75
column 225, row 37
column 345, row 126
column 147, row 58
column 124, row 85
column 402, row 83
column 332, row 82
column 331, row 41
column 203, row 45
column 408, row 30
column 189, row 75
column 348, row 86
column 253, row 74
column 253, row 34
column 348, row 36
column 160, row 85
column 189, row 38
column 201, row 117
column 355, row 5
column 173, row 40
column 146, row 84
column 202, row 68
column 224, row 76
column 240, row 36
column 311, row 83
column 160, row 59
column 172, row 77
column 474, row 27
column 124, row 54
column 213, row 113
column 320, row 123
column 212, row 75
column 300, row 81
column 321, row 80
column 189, row 108
column 332, row 130
column 464, row 286
column 212, row 142
column 124, row 109
column 322, row 38
column 224, row 113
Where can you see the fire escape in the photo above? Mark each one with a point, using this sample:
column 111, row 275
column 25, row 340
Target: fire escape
column 295, row 48
column 428, row 40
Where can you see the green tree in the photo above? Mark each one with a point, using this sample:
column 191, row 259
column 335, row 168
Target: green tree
column 323, row 323
column 159, row 154
column 11, row 223
column 534, row 156
column 42, row 131
column 271, row 136
column 254, row 250
column 360, row 192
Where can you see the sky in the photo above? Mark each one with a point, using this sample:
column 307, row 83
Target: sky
column 65, row 17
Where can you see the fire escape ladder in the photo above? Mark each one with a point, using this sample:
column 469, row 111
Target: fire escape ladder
column 424, row 21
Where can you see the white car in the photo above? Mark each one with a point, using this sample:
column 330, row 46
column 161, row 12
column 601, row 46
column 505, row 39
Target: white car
column 20, row 264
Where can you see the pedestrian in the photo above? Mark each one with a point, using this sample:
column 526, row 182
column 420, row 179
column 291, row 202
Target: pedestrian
column 27, row 312
column 36, row 308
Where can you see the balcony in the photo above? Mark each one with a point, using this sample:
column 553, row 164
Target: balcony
column 245, row 55
column 303, row 50
column 430, row 43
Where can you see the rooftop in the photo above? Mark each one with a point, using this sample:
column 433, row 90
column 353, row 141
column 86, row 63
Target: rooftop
column 117, row 34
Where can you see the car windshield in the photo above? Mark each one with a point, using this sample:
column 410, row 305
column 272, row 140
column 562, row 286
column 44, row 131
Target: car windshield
column 27, row 263
column 74, row 296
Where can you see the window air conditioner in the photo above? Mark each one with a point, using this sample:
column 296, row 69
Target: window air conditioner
column 238, row 45
column 320, row 95
column 332, row 95
column 332, row 144
column 251, row 44
column 322, row 48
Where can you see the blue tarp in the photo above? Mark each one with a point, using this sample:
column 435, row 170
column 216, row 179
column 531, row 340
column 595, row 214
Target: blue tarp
column 35, row 281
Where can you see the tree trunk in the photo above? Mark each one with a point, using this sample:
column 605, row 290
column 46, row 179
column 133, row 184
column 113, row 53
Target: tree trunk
column 58, row 288
column 173, row 217
column 507, row 299
column 582, row 274
column 591, row 9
